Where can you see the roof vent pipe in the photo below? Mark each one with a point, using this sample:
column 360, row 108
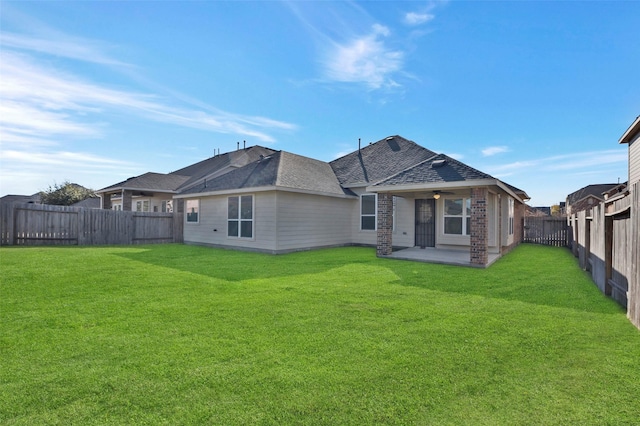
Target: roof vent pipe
column 244, row 144
column 238, row 149
column 358, row 144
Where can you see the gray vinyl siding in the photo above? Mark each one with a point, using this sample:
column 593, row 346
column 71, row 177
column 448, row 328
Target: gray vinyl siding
column 307, row 221
column 634, row 160
column 212, row 226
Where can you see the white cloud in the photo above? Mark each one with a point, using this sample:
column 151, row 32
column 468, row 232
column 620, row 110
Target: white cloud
column 493, row 150
column 414, row 18
column 364, row 59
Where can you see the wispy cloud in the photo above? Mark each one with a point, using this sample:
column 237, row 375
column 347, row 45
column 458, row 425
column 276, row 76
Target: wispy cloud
column 566, row 162
column 416, row 18
column 493, row 150
column 364, row 59
column 42, row 102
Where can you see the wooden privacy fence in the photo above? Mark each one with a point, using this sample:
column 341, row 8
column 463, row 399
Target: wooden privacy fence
column 607, row 244
column 550, row 231
column 38, row 224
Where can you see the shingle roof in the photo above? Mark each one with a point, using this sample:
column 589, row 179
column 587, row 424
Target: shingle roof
column 151, row 181
column 187, row 176
column 211, row 166
column 281, row 169
column 593, row 190
column 378, row 161
column 437, row 169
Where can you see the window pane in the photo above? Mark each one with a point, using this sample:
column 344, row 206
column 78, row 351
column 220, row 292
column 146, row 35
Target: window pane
column 369, row 222
column 192, row 210
column 453, row 225
column 368, row 204
column 247, row 207
column 468, row 226
column 232, row 228
column 246, row 229
column 233, row 209
column 468, row 202
column 453, row 207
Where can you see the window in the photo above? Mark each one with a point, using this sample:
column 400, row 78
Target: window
column 193, row 209
column 368, row 212
column 142, row 206
column 240, row 216
column 511, row 209
column 457, row 216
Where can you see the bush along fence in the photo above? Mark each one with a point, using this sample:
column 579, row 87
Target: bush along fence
column 607, row 244
column 37, row 224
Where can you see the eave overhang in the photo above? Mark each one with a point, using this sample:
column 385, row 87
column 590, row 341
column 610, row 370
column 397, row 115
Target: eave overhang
column 439, row 186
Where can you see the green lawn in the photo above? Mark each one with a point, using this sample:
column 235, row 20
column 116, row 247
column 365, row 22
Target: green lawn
column 173, row 334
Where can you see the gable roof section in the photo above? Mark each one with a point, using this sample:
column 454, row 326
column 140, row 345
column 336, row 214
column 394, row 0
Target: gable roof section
column 378, row 161
column 279, row 170
column 442, row 170
column 214, row 166
column 439, row 168
column 150, row 182
column 590, row 190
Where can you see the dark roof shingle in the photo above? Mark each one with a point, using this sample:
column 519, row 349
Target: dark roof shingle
column 378, row 161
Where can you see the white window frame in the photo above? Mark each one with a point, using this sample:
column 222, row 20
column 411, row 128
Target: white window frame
column 466, row 231
column 240, row 219
column 194, row 206
column 375, row 212
column 142, row 205
column 511, row 215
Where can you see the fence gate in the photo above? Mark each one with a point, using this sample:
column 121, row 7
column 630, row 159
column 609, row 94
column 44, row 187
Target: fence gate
column 547, row 230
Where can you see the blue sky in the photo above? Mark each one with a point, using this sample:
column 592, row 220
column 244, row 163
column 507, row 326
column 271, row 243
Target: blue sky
column 536, row 93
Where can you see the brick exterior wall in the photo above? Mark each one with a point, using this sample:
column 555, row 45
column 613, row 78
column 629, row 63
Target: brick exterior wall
column 479, row 227
column 384, row 245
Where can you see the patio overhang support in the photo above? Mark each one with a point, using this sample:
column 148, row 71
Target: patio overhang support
column 479, row 249
column 384, row 246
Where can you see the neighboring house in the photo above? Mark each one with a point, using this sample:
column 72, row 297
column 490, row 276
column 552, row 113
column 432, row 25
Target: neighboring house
column 32, row 199
column 632, row 138
column 153, row 192
column 391, row 194
column 587, row 197
column 537, row 211
column 89, row 203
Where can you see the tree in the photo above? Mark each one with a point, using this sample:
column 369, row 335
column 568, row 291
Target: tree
column 65, row 194
column 555, row 210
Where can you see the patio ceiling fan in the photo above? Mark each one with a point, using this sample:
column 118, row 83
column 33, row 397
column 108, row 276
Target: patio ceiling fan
column 437, row 194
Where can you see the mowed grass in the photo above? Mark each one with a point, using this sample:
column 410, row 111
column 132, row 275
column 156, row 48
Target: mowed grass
column 174, row 334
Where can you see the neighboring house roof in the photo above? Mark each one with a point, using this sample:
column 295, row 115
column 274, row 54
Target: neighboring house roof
column 150, row 182
column 88, row 203
column 590, row 190
column 187, row 176
column 633, row 130
column 35, row 198
column 282, row 170
column 378, row 161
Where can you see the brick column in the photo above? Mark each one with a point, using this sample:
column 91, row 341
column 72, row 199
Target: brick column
column 479, row 227
column 126, row 200
column 385, row 225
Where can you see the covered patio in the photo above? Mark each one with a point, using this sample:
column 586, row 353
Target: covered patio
column 438, row 255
